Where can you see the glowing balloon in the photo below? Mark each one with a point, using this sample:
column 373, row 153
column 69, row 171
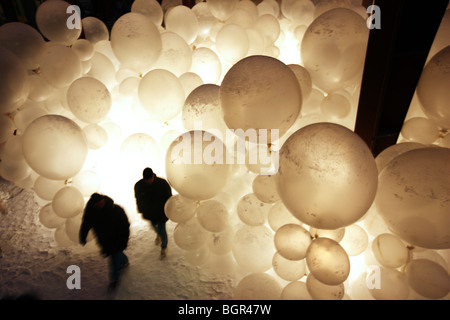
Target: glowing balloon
column 55, row 147
column 393, row 151
column 87, row 182
column 253, row 248
column 304, row 80
column 60, row 65
column 40, row 89
column 136, row 41
column 428, row 278
column 189, row 235
column 269, row 26
column 61, row 237
column 295, row 290
column 176, row 55
column 14, row 87
column 292, row 241
column 302, row 12
column 252, row 211
column 212, row 215
column 149, row 8
column 335, row 234
column 89, row 99
column 326, row 5
column 205, row 19
column 279, row 215
column 196, row 166
column 94, row 30
column 73, row 228
column 179, row 209
column 84, row 49
column 265, row 189
column 68, row 202
column 328, row 261
column 257, row 286
column 321, row 291
column 206, row 64
column 103, row 70
column 182, row 21
column 432, row 88
column 96, row 136
column 27, row 115
column 232, row 43
column 221, row 243
column 24, row 41
column 333, row 49
column 421, row 130
column 48, row 217
column 327, row 177
column 53, row 19
column 189, row 81
column 260, row 92
column 390, row 284
column 413, row 197
column 390, row 251
column 161, row 94
column 6, row 128
column 14, row 169
column 355, row 240
column 47, row 188
column 222, row 10
column 335, row 106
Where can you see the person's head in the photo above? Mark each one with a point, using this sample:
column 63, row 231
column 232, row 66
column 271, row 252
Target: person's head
column 97, row 201
column 148, row 175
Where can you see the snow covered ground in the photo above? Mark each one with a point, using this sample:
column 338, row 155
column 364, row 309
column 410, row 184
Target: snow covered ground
column 31, row 262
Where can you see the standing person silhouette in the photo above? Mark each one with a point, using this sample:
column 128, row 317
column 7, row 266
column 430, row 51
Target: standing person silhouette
column 112, row 230
column 151, row 193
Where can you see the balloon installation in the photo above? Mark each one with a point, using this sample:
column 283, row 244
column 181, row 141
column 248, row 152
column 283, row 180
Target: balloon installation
column 248, row 109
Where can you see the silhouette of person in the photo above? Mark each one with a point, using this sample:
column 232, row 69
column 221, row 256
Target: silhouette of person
column 151, row 193
column 112, row 230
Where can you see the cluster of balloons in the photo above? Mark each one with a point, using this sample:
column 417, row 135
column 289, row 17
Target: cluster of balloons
column 212, row 97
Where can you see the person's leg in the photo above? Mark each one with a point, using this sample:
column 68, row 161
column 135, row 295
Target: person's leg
column 158, row 237
column 118, row 261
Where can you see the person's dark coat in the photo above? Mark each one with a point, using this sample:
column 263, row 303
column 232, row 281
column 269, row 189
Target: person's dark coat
column 151, row 198
column 110, row 225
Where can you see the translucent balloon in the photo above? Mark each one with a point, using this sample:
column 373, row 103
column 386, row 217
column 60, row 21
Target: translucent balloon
column 335, row 106
column 328, row 261
column 149, row 8
column 222, row 10
column 136, row 41
column 205, row 19
column 202, row 107
column 221, row 243
column 253, row 248
column 333, row 49
column 304, row 79
column 292, row 241
column 355, row 240
column 279, row 215
column 61, row 237
column 68, row 202
column 432, row 88
column 84, row 49
column 60, row 65
column 257, row 286
column 206, row 64
column 265, row 189
column 24, row 41
column 48, row 217
column 269, row 26
column 295, row 290
column 336, row 234
column 232, row 43
column 87, row 182
column 326, row 5
column 14, row 169
column 55, row 147
column 182, row 21
column 189, row 81
column 94, row 30
column 390, row 284
column 73, row 227
column 161, row 94
column 302, row 12
column 212, row 215
column 176, row 55
column 40, row 89
column 14, row 87
column 252, row 211
column 289, row 270
column 256, row 42
column 268, row 7
column 96, row 136
column 251, row 89
column 327, row 176
column 421, row 130
column 6, row 128
column 89, row 99
column 52, row 19
column 189, row 235
column 428, row 278
column 129, row 87
column 393, row 151
column 103, row 70
column 179, row 209
column 47, row 188
column 196, row 166
column 390, row 251
column 413, row 197
column 321, row 291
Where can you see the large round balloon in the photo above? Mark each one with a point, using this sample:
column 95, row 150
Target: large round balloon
column 432, row 89
column 333, row 49
column 55, row 147
column 196, row 165
column 136, row 41
column 260, row 92
column 327, row 176
column 413, row 194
